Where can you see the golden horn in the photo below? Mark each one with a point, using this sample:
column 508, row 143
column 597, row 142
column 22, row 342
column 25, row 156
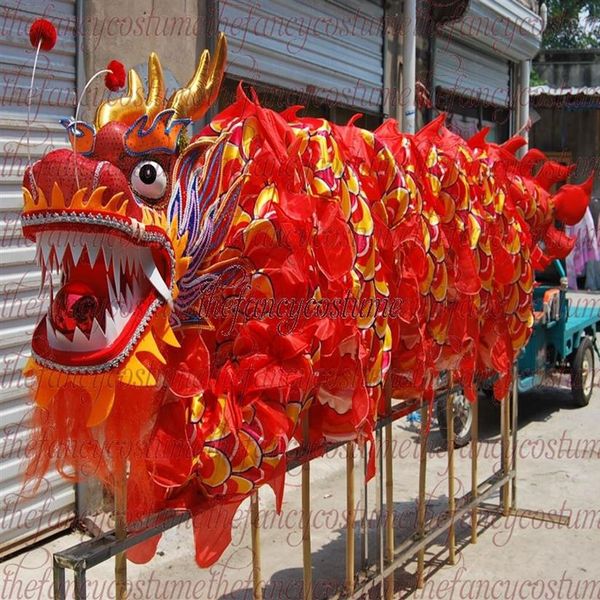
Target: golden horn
column 128, row 108
column 193, row 100
column 155, row 101
column 125, row 109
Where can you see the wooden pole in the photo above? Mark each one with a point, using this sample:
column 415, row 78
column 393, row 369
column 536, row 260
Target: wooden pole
column 451, row 498
column 505, row 446
column 515, row 427
column 474, row 459
column 389, row 493
column 255, row 533
column 364, row 521
column 350, row 510
column 120, row 501
column 306, row 546
column 422, row 499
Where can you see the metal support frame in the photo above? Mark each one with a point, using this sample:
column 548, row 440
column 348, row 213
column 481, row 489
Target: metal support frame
column 375, row 574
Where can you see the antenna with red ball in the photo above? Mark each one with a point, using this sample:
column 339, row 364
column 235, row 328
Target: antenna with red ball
column 42, row 35
column 114, row 80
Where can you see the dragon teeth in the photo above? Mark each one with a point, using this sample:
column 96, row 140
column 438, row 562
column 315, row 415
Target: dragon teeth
column 153, row 274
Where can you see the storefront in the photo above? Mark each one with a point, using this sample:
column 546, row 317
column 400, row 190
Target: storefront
column 476, row 60
column 325, row 55
column 27, row 519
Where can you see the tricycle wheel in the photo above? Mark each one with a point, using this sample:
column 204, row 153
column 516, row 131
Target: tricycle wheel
column 582, row 373
column 463, row 417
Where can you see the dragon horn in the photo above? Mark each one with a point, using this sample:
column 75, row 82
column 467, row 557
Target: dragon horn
column 133, row 105
column 193, row 100
column 155, row 101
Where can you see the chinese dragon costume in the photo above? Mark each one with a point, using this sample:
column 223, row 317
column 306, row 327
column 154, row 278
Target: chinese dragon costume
column 215, row 291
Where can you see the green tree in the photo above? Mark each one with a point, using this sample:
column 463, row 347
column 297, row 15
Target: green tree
column 572, row 24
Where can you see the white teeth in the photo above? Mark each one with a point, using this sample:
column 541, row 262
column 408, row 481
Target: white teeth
column 59, row 241
column 107, row 254
column 45, row 247
column 117, row 273
column 114, row 302
column 52, row 341
column 92, row 250
column 76, row 250
column 97, row 337
column 79, row 340
column 153, row 274
column 110, row 329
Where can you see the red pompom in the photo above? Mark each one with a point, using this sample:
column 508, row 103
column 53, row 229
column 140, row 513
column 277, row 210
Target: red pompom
column 116, row 79
column 42, row 31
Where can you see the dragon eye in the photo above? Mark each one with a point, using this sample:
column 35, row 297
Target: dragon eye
column 149, row 180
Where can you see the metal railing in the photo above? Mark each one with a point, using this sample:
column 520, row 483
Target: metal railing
column 376, row 573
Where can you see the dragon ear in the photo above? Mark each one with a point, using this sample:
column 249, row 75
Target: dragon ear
column 571, row 201
column 513, row 143
column 478, row 140
column 432, row 129
column 551, row 173
column 530, row 160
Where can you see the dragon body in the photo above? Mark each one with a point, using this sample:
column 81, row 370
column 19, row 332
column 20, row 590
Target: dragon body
column 275, row 268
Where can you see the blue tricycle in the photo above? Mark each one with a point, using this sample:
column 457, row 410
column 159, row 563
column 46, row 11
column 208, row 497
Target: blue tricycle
column 563, row 341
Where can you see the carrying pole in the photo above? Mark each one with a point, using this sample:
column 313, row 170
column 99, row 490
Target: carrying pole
column 306, row 545
column 474, row 458
column 505, row 450
column 255, row 532
column 451, row 496
column 350, row 510
column 422, row 499
column 515, row 427
column 389, row 492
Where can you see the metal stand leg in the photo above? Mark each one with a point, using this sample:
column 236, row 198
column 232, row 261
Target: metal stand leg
column 59, row 580
column 306, row 546
column 120, row 528
column 255, row 532
column 422, row 483
column 350, row 509
column 451, row 498
column 80, row 585
column 474, row 458
column 380, row 503
column 389, row 498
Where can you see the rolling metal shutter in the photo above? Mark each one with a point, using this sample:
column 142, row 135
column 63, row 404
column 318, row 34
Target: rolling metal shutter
column 25, row 519
column 471, row 72
column 332, row 50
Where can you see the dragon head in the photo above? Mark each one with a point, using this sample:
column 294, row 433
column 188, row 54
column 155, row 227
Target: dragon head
column 107, row 240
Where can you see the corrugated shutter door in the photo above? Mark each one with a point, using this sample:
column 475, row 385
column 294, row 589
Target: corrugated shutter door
column 332, row 50
column 471, row 72
column 27, row 518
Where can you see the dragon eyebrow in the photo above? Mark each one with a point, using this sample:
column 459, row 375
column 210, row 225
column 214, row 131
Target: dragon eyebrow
column 84, row 133
column 161, row 136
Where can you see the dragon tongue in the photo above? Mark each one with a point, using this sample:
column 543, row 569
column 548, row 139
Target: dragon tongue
column 153, row 274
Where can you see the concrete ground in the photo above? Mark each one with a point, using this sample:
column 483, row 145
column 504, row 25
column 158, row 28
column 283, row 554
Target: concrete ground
column 559, row 452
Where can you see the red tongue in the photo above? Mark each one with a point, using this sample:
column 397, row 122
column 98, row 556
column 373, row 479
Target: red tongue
column 75, row 305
